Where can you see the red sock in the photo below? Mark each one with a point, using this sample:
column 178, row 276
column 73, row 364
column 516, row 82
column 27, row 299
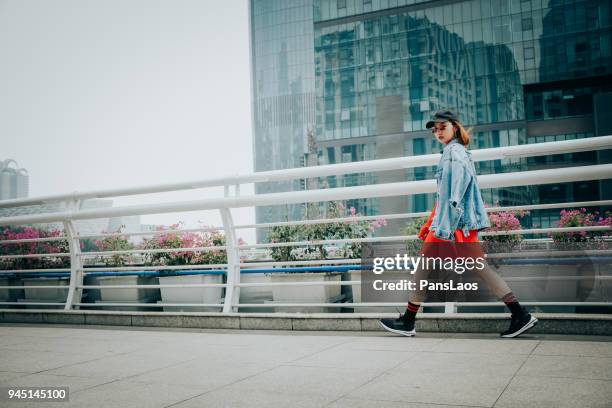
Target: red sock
column 411, row 310
column 513, row 304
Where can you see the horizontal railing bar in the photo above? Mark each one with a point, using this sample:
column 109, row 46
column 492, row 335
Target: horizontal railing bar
column 547, row 230
column 424, row 214
column 355, row 218
column 313, row 283
column 548, row 254
column 556, row 278
column 268, row 284
column 296, row 263
column 58, row 254
column 550, row 206
column 461, row 304
column 152, row 251
column 111, row 234
column 26, row 240
column 34, row 270
column 415, row 237
column 179, row 285
column 150, row 304
column 535, row 177
column 33, row 304
column 496, row 153
column 537, row 303
column 150, row 268
column 139, row 233
column 362, row 304
column 328, row 241
column 35, row 287
column 200, row 268
column 346, row 283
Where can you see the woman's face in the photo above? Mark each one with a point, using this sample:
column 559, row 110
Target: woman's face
column 444, row 131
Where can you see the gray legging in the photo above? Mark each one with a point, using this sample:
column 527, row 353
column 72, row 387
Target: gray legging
column 493, row 280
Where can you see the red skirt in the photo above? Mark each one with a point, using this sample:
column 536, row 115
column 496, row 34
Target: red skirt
column 459, row 235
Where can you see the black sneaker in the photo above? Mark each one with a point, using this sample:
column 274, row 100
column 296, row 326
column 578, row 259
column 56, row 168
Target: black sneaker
column 402, row 325
column 520, row 324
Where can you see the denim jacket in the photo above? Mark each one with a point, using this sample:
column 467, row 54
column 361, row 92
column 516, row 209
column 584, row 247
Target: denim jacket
column 459, row 203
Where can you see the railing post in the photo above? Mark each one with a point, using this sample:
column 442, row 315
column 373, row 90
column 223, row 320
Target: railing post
column 232, row 293
column 76, row 265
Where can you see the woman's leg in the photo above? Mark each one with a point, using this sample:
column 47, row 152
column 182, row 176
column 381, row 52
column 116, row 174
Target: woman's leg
column 493, row 280
column 417, row 296
column 501, row 289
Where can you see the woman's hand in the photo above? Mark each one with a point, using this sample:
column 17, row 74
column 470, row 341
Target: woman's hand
column 423, row 232
column 425, row 228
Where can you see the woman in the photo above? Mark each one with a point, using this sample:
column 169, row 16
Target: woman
column 457, row 216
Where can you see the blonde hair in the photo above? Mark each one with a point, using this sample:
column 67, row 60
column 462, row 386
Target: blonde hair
column 462, row 135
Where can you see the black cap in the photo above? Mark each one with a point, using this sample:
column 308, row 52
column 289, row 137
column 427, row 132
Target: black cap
column 442, row 116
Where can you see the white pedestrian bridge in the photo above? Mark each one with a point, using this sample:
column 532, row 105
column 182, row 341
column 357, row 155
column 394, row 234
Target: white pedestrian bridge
column 228, row 336
column 253, row 278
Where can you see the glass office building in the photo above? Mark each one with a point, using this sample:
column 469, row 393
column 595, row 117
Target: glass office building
column 518, row 72
column 283, row 94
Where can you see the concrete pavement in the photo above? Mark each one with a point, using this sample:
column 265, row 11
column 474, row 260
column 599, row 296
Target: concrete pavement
column 110, row 366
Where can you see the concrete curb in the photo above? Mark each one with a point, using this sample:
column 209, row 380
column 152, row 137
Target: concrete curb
column 549, row 323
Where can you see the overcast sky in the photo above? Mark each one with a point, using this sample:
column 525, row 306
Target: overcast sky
column 98, row 94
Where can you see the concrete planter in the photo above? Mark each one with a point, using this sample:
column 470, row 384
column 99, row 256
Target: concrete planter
column 51, row 295
column 7, row 295
column 355, row 275
column 550, row 289
column 256, row 294
column 128, row 295
column 306, row 294
column 541, row 290
column 191, row 295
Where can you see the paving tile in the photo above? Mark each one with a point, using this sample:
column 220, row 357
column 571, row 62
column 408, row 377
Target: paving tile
column 546, row 392
column 355, row 359
column 503, row 346
column 363, row 403
column 568, row 366
column 575, row 348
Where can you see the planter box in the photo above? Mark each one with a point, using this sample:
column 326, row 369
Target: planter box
column 128, row 294
column 355, row 275
column 46, row 294
column 545, row 290
column 256, row 294
column 7, row 295
column 191, row 295
column 56, row 295
column 600, row 290
column 306, row 294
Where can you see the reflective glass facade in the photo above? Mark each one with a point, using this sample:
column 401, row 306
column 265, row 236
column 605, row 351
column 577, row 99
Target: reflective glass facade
column 283, row 93
column 517, row 71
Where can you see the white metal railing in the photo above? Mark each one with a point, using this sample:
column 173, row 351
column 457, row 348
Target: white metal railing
column 234, row 265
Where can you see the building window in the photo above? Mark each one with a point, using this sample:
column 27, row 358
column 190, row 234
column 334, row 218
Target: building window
column 580, row 47
column 341, row 4
column 527, row 24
